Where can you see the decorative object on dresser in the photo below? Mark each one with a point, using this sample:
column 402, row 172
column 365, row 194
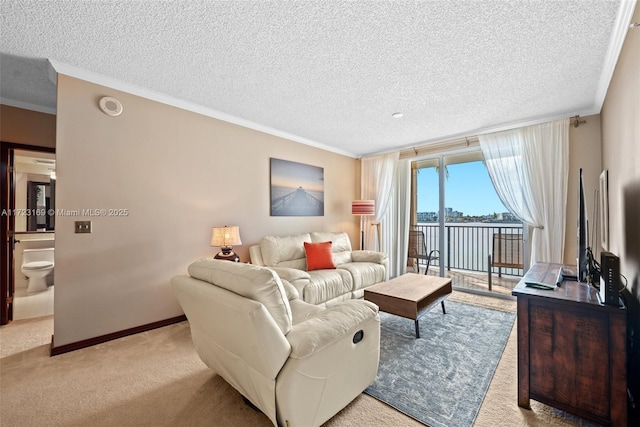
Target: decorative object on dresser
column 571, row 348
column 604, row 209
column 225, row 238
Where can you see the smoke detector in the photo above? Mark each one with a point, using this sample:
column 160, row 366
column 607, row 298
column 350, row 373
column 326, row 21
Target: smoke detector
column 110, row 106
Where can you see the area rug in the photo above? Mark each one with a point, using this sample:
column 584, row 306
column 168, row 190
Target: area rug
column 441, row 378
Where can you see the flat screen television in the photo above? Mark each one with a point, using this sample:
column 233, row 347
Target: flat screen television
column 583, row 233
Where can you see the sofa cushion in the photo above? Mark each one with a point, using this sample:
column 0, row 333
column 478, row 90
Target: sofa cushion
column 364, row 273
column 285, row 251
column 325, row 285
column 319, row 256
column 340, row 244
column 250, row 281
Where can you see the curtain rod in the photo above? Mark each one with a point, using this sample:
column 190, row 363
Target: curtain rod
column 451, row 144
column 460, row 143
column 576, row 120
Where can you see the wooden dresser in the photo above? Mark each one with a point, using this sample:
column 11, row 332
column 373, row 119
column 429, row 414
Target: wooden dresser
column 571, row 349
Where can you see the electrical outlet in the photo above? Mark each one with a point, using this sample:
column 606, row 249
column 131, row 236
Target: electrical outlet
column 83, row 226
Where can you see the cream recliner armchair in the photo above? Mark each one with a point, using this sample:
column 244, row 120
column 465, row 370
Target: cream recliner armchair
column 298, row 363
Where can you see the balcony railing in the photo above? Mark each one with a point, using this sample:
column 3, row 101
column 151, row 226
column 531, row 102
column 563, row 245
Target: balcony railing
column 468, row 246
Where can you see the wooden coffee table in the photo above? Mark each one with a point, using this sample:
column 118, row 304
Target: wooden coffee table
column 410, row 295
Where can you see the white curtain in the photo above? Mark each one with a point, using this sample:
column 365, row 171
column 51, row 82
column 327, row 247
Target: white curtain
column 378, row 175
column 387, row 180
column 395, row 225
column 529, row 168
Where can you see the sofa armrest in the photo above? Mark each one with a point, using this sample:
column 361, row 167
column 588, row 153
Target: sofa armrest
column 368, row 256
column 290, row 290
column 296, row 279
column 328, row 326
column 290, row 274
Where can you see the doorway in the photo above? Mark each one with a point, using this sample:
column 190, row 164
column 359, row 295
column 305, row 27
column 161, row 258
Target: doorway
column 459, row 215
column 28, row 222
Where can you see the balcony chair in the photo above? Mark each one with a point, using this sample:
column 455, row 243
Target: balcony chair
column 506, row 253
column 418, row 250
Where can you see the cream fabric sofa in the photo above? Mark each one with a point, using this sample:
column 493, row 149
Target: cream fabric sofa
column 356, row 269
column 298, row 363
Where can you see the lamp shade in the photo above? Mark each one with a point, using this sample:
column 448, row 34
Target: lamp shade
column 363, row 207
column 225, row 236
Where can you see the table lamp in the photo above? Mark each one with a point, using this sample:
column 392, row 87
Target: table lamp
column 224, row 238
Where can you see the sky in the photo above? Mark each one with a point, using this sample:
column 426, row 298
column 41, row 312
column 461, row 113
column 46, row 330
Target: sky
column 293, row 175
column 468, row 189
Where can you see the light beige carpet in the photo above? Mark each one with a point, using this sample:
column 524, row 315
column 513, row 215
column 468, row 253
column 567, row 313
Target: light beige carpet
column 156, row 379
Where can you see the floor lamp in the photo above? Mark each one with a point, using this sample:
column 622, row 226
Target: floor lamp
column 363, row 208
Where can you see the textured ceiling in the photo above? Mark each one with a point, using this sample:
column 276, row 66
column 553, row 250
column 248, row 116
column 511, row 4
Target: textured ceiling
column 331, row 73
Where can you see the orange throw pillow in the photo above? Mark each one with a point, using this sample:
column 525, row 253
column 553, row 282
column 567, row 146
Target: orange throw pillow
column 319, row 256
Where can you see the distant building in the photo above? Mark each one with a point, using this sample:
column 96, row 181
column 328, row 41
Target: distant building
column 450, row 213
column 457, row 216
column 509, row 217
column 427, row 216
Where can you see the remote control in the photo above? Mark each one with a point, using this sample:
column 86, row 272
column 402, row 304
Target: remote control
column 540, row 285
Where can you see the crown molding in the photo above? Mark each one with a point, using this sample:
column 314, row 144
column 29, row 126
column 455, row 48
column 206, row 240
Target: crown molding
column 27, row 106
column 620, row 29
column 82, row 74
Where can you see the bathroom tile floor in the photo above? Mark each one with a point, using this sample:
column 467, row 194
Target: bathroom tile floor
column 27, row 305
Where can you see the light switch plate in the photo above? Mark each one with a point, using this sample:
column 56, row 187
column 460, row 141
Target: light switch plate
column 83, row 226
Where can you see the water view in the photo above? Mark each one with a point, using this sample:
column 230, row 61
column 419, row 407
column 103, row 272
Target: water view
column 468, row 245
column 474, row 218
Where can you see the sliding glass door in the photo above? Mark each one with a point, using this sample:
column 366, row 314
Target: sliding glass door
column 457, row 211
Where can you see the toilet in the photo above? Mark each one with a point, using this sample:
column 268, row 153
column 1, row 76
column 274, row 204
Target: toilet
column 37, row 264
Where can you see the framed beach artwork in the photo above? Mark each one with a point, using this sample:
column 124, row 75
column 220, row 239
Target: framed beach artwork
column 296, row 189
column 604, row 209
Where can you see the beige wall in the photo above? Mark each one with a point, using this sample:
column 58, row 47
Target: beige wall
column 178, row 173
column 27, row 127
column 621, row 157
column 584, row 152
